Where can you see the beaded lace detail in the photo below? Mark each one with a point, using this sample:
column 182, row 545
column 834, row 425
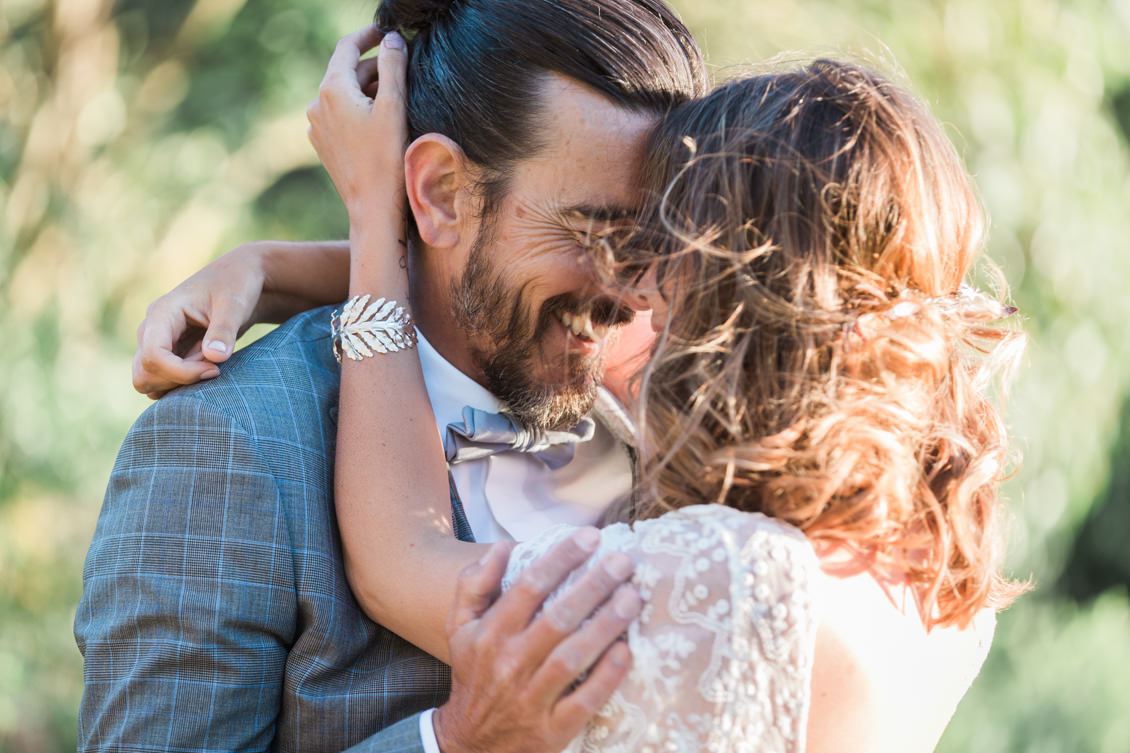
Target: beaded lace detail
column 722, row 653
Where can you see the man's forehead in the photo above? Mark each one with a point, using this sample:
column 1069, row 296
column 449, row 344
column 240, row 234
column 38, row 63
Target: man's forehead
column 571, row 111
column 586, row 166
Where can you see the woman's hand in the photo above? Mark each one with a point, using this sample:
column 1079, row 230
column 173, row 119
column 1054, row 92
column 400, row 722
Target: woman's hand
column 191, row 329
column 361, row 139
column 515, row 669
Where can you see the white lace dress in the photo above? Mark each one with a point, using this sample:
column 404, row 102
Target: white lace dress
column 722, row 653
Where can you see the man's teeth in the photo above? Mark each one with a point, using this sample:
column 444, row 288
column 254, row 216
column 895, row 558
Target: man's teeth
column 581, row 325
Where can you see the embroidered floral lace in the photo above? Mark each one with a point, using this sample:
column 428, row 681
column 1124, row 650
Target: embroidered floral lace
column 722, row 653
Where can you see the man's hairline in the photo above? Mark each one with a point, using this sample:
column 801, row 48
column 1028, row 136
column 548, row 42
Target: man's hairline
column 499, row 181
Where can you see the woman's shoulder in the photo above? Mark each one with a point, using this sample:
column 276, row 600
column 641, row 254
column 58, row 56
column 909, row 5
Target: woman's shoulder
column 729, row 622
column 748, row 564
column 765, row 544
column 728, row 626
column 715, row 517
column 700, row 538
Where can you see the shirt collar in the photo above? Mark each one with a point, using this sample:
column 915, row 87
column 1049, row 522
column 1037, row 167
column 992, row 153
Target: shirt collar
column 449, row 389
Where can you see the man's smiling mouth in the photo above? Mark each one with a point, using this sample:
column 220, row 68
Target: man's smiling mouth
column 588, row 322
column 580, row 323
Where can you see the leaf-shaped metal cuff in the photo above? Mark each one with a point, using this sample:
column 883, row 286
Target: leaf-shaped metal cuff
column 362, row 329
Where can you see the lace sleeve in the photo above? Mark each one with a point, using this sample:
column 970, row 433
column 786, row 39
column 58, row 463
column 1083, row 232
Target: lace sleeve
column 722, row 653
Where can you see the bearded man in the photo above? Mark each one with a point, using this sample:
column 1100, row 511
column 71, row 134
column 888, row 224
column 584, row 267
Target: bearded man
column 216, row 612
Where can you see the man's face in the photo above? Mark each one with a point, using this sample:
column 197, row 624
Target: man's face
column 536, row 317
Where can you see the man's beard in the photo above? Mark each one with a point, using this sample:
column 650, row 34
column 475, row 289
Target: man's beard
column 490, row 311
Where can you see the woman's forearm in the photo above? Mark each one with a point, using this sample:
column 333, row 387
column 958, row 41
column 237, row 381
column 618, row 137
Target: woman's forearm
column 298, row 276
column 391, row 489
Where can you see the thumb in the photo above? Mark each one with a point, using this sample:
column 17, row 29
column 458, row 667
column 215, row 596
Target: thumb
column 223, row 330
column 478, row 586
column 216, row 348
column 392, row 66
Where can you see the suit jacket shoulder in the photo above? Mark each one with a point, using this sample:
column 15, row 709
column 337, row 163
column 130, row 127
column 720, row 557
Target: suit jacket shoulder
column 215, row 612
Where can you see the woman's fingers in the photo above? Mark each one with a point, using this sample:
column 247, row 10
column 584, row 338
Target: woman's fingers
column 565, row 614
column 388, row 66
column 341, row 72
column 578, row 706
column 352, row 87
column 367, row 78
column 586, row 643
column 518, row 605
column 228, row 314
column 156, row 368
column 392, row 66
column 360, row 140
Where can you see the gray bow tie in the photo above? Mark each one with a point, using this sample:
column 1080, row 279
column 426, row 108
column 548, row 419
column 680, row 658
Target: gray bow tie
column 483, row 434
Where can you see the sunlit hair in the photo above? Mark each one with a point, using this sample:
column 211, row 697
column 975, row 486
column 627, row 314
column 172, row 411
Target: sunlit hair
column 823, row 362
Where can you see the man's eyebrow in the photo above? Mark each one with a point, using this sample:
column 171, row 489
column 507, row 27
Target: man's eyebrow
column 601, row 212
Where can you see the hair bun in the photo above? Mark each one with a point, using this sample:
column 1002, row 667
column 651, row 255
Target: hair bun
column 411, row 16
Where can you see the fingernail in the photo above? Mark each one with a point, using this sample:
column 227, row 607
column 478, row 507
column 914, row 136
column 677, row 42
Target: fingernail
column 619, row 565
column 393, row 41
column 217, row 346
column 210, row 374
column 587, row 539
column 626, row 603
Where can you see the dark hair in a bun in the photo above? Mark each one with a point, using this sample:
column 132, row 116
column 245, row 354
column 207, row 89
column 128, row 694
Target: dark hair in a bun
column 477, row 67
column 410, row 17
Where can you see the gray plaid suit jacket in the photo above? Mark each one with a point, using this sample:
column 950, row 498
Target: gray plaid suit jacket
column 215, row 613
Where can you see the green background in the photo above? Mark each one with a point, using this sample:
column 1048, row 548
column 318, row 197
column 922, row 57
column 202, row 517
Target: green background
column 140, row 139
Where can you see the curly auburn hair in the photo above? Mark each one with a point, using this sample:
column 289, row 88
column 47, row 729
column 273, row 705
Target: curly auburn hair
column 822, row 362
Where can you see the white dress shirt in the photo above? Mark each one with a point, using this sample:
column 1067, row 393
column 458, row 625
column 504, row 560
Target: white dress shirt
column 514, row 495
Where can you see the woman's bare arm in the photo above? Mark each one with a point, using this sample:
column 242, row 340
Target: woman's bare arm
column 193, row 327
column 391, row 482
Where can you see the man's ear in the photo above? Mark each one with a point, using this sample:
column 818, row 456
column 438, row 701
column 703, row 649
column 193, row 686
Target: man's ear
column 435, row 174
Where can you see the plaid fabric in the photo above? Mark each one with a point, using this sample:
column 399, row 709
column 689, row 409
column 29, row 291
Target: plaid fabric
column 215, row 613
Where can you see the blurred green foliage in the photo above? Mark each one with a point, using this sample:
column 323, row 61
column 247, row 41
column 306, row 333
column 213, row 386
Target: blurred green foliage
column 140, row 139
